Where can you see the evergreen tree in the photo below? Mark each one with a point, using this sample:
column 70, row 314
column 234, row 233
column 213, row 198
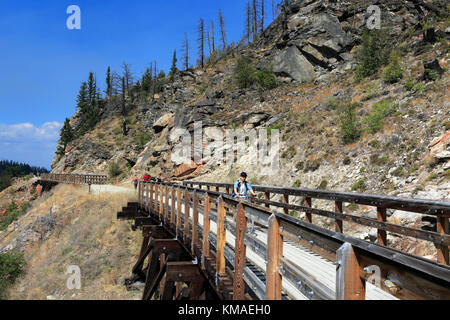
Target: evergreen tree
column 173, row 69
column 82, row 98
column 67, row 134
column 186, row 52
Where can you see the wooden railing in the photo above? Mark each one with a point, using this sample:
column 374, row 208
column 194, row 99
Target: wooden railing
column 440, row 210
column 74, row 178
column 402, row 275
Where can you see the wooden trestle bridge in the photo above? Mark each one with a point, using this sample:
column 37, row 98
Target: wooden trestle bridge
column 200, row 243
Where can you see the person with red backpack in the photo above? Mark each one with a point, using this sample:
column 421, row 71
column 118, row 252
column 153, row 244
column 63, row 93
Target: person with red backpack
column 146, row 177
column 242, row 187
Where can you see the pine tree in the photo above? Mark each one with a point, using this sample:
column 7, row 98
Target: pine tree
column 212, row 37
column 92, row 88
column 255, row 19
column 173, row 68
column 223, row 35
column 67, row 134
column 108, row 83
column 146, row 81
column 201, row 42
column 262, row 16
column 82, row 98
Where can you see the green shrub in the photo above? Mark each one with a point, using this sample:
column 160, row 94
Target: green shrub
column 430, row 74
column 114, row 169
column 350, row 126
column 394, row 72
column 375, row 144
column 380, row 110
column 323, row 185
column 419, row 87
column 142, row 138
column 244, row 73
column 409, row 85
column 297, row 184
column 360, row 185
column 14, row 212
column 11, row 267
column 373, row 53
column 266, row 79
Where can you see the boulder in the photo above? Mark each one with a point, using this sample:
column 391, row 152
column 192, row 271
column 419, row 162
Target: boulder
column 440, row 147
column 291, row 62
column 162, row 122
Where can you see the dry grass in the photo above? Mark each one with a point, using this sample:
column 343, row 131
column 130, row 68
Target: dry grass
column 90, row 237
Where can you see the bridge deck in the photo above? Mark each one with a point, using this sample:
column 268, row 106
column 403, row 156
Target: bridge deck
column 320, row 269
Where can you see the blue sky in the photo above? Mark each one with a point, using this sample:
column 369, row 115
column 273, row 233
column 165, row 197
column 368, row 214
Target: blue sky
column 43, row 63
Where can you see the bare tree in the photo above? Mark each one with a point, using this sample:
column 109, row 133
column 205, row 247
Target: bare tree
column 262, row 16
column 128, row 75
column 223, row 35
column 185, row 51
column 212, row 37
column 208, row 38
column 201, row 42
column 248, row 22
column 255, row 19
column 116, row 83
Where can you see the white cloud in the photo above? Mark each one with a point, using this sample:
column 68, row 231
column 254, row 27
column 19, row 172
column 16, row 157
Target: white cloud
column 27, row 143
column 27, row 132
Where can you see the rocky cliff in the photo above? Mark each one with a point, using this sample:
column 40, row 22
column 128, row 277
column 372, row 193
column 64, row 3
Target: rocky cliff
column 312, row 49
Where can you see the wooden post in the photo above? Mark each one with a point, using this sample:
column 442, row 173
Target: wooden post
column 308, row 204
column 205, row 245
column 381, row 234
column 155, row 208
column 186, row 215
column 172, row 209
column 267, row 197
column 194, row 222
column 221, row 236
column 239, row 254
column 161, row 201
column 274, row 255
column 349, row 284
column 442, row 227
column 166, row 211
column 139, row 192
column 286, row 201
column 179, row 195
column 338, row 227
column 151, row 196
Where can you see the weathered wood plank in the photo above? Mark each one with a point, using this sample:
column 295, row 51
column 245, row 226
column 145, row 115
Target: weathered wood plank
column 349, row 285
column 240, row 254
column 221, row 234
column 275, row 253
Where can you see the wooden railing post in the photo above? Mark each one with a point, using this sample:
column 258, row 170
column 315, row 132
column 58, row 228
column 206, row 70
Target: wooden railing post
column 155, row 207
column 338, row 226
column 205, row 245
column 161, row 201
column 285, row 201
column 308, row 204
column 186, row 216
column 151, row 196
column 349, row 284
column 221, row 236
column 442, row 227
column 139, row 192
column 239, row 254
column 194, row 221
column 166, row 211
column 267, row 197
column 179, row 195
column 172, row 209
column 381, row 234
column 274, row 255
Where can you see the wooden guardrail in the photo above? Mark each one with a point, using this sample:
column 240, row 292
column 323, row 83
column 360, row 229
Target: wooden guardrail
column 438, row 209
column 402, row 275
column 74, row 178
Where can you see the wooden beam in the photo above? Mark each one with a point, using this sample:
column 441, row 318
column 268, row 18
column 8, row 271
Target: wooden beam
column 179, row 196
column 349, row 284
column 381, row 234
column 161, row 201
column 172, row 211
column 151, row 196
column 338, row 227
column 166, row 211
column 221, row 236
column 240, row 254
column 155, row 207
column 267, row 197
column 274, row 254
column 186, row 217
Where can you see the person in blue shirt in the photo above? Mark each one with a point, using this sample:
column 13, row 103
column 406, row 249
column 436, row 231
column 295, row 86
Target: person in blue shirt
column 242, row 187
